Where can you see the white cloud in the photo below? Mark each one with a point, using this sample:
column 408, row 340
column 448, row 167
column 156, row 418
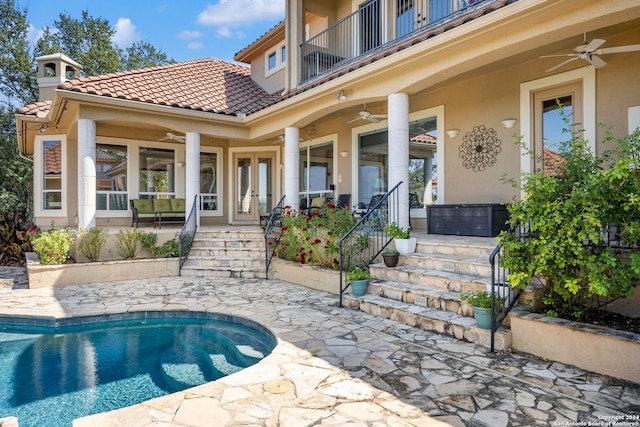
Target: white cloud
column 188, row 35
column 195, row 45
column 125, row 34
column 239, row 13
column 33, row 33
column 224, row 32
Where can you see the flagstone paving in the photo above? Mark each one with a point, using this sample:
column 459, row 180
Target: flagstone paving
column 334, row 366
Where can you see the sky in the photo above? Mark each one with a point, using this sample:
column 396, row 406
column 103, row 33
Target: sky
column 183, row 29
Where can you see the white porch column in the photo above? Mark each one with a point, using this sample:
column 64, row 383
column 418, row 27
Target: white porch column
column 399, row 153
column 86, row 174
column 292, row 167
column 192, row 172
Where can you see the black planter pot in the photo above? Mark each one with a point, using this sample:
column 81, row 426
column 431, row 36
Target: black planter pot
column 391, row 260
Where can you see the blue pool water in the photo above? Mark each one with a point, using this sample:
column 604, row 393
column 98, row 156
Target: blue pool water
column 52, row 374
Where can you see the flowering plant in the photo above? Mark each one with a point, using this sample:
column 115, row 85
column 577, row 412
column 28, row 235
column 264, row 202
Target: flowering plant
column 314, row 239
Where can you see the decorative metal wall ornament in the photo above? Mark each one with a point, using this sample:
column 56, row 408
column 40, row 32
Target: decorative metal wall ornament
column 479, row 148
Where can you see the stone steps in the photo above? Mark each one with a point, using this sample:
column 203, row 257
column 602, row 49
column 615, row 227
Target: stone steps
column 454, row 282
column 424, row 289
column 457, row 246
column 449, row 263
column 224, row 272
column 223, row 253
column 430, row 319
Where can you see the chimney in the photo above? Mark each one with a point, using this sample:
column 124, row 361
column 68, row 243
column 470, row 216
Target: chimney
column 53, row 70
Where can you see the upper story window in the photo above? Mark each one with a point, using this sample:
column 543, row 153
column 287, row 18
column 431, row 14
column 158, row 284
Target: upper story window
column 272, row 61
column 275, row 59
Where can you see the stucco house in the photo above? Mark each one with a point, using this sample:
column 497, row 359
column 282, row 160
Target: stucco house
column 342, row 97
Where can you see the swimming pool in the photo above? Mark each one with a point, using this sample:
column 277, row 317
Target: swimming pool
column 53, row 371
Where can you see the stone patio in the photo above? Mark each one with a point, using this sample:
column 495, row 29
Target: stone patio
column 335, row 366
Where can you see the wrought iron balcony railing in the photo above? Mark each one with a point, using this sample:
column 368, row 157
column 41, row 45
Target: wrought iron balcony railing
column 374, row 27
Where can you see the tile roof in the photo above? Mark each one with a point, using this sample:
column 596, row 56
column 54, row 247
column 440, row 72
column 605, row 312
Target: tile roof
column 209, row 85
column 33, row 109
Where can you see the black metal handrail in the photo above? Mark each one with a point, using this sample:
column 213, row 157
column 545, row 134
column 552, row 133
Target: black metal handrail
column 273, row 234
column 360, row 246
column 187, row 233
column 500, row 289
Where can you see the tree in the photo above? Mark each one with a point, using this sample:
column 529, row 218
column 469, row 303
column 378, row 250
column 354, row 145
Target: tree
column 87, row 41
column 17, row 68
column 143, row 55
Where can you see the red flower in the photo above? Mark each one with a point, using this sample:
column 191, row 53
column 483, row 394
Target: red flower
column 331, row 205
column 317, row 241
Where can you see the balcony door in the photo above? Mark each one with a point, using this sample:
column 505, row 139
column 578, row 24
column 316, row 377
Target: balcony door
column 370, row 25
column 254, row 185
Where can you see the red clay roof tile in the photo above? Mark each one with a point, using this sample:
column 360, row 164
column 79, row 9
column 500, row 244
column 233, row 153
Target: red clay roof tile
column 207, row 85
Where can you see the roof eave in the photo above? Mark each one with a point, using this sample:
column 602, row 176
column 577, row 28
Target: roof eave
column 237, row 118
column 275, row 34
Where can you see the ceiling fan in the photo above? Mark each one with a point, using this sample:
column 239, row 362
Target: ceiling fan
column 590, row 51
column 366, row 115
column 173, row 136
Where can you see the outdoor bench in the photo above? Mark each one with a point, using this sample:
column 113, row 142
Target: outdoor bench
column 157, row 210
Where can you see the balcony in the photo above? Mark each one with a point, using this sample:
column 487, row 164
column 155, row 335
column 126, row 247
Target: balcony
column 380, row 25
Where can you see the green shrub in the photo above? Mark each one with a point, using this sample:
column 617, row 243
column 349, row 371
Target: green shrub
column 53, row 246
column 570, row 216
column 168, row 249
column 91, row 242
column 148, row 240
column 129, row 242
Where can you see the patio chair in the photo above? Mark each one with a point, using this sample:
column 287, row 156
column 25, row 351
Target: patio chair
column 316, row 204
column 377, row 220
column 343, row 201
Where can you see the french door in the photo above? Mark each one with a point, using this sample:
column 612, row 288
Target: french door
column 254, row 185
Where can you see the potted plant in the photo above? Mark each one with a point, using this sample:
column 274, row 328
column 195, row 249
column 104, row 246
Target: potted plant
column 405, row 244
column 481, row 304
column 390, row 257
column 505, row 291
column 358, row 279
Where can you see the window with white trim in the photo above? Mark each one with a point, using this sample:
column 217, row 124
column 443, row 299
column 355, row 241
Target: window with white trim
column 275, row 59
column 111, row 177
column 52, row 175
column 210, row 183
